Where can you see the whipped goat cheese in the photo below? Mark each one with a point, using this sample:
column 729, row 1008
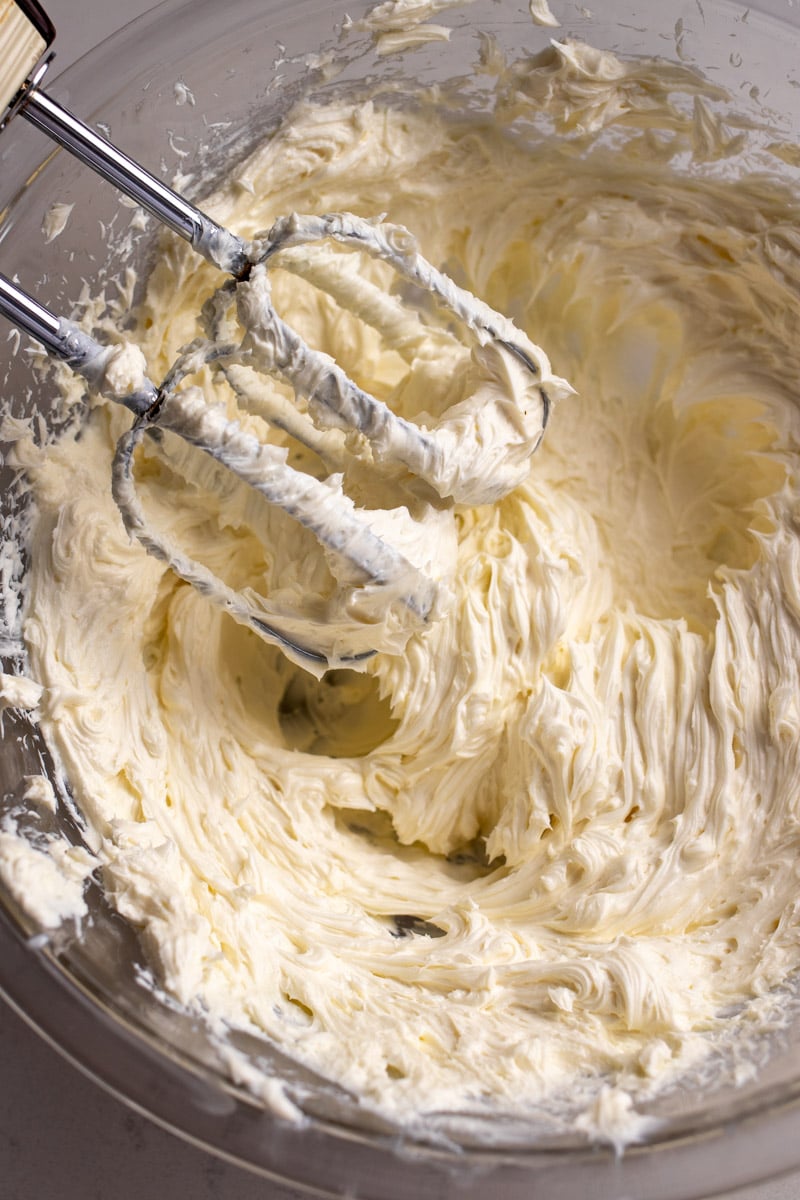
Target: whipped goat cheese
column 545, row 849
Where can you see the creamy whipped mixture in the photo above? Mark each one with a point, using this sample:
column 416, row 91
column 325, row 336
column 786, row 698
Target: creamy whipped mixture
column 536, row 858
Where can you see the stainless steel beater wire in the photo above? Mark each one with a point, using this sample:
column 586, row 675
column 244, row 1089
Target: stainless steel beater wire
column 221, row 247
column 31, row 317
column 66, row 341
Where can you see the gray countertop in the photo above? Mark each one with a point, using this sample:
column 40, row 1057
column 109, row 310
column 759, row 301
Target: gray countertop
column 60, row 1135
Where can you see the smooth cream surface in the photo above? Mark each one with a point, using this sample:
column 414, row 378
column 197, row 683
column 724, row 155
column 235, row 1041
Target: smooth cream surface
column 584, row 777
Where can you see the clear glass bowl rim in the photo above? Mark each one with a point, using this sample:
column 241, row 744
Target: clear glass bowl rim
column 181, row 1096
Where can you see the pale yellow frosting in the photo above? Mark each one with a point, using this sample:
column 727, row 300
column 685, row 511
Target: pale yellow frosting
column 585, row 775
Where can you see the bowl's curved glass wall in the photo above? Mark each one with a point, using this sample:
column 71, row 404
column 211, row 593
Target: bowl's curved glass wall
column 244, row 63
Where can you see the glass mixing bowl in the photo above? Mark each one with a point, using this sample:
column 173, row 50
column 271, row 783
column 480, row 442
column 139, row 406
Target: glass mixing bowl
column 91, row 995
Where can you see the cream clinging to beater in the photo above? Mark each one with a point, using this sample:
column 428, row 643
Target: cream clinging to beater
column 475, row 452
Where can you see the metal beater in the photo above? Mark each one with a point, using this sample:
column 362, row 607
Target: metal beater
column 26, row 38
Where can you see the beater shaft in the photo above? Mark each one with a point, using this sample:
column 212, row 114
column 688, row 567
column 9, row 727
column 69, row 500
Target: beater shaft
column 218, row 245
column 67, row 342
